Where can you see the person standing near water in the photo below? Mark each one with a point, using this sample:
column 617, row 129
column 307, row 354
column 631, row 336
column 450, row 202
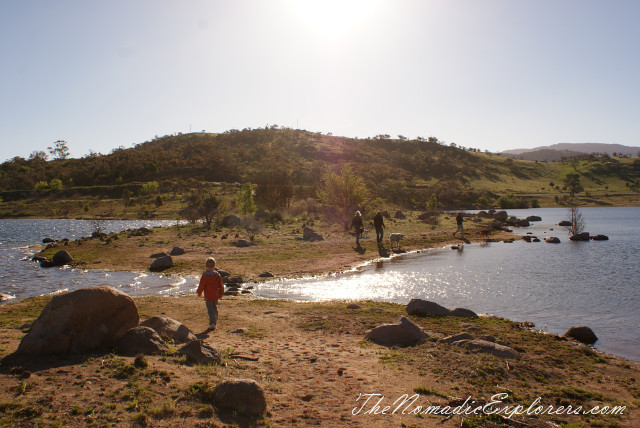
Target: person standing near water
column 460, row 228
column 378, row 223
column 213, row 288
column 356, row 223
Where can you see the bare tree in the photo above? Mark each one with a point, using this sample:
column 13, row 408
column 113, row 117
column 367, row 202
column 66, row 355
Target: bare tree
column 576, row 220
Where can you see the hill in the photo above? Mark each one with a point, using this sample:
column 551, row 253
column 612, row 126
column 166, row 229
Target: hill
column 557, row 152
column 398, row 172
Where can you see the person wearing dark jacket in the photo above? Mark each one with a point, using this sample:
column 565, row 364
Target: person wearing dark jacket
column 460, row 228
column 378, row 223
column 357, row 224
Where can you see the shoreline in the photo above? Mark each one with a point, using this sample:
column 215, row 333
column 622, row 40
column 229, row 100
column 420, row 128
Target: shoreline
column 313, row 363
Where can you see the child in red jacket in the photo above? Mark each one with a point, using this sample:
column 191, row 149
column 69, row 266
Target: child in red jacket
column 211, row 284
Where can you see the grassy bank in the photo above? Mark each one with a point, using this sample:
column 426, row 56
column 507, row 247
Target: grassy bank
column 313, row 362
column 277, row 248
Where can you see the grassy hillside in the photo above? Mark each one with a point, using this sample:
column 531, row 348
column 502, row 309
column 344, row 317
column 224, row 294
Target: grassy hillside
column 396, row 172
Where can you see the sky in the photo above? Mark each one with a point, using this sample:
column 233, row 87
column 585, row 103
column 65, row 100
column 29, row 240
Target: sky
column 487, row 74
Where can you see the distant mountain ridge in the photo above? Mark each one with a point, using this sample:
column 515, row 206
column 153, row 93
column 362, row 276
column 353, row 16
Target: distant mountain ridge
column 559, row 151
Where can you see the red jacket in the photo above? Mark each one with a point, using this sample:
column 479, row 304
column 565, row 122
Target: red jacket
column 211, row 284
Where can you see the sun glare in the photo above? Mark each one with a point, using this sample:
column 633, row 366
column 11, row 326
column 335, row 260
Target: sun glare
column 333, row 19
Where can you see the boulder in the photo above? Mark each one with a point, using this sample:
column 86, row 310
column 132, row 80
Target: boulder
column 143, row 231
column 457, row 337
column 564, row 223
column 61, row 258
column 427, row 216
column 552, row 240
column 161, row 264
column 500, row 215
column 141, row 340
column 198, row 352
column 584, row 236
column 266, row 275
column 243, row 396
column 353, row 306
column 582, row 334
column 308, row 234
column 425, row 308
column 599, row 238
column 534, row 218
column 400, row 215
column 81, row 321
column 158, row 255
column 231, row 221
column 222, row 273
column 513, row 221
column 236, row 279
column 176, row 251
column 242, row 243
column 169, row 329
column 488, row 347
column 463, row 313
column 402, row 333
column 483, row 214
column 48, row 240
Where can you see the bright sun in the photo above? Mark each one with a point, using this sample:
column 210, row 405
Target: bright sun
column 333, row 18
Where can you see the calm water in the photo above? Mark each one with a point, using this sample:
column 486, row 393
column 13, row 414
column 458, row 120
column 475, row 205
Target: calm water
column 20, row 277
column 555, row 286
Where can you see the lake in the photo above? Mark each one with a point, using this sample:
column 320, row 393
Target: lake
column 555, row 286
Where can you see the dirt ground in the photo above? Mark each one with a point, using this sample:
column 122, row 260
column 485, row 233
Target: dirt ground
column 316, row 370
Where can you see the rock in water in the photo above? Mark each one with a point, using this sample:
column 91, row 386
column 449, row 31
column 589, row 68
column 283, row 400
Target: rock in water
column 81, row 321
column 582, row 334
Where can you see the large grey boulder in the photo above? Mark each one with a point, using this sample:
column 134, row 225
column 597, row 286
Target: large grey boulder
column 243, row 396
column 81, row 321
column 582, row 334
column 161, row 263
column 402, row 333
column 169, row 329
column 198, row 352
column 425, row 308
column 141, row 340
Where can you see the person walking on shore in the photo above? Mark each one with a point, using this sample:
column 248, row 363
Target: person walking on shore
column 356, row 223
column 213, row 288
column 460, row 228
column 378, row 223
